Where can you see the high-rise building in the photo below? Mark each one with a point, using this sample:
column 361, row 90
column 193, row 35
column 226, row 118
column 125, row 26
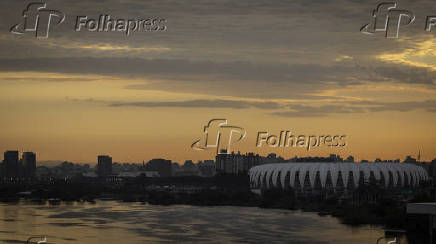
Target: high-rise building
column 162, row 166
column 29, row 164
column 11, row 164
column 237, row 163
column 104, row 166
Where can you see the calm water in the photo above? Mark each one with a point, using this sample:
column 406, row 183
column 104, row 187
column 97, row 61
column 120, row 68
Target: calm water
column 117, row 222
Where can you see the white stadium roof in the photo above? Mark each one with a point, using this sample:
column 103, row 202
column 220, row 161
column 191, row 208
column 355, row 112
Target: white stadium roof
column 307, row 174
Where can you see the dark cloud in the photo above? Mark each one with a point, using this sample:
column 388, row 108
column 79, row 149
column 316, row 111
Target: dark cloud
column 356, row 107
column 202, row 104
column 406, row 74
column 321, row 111
column 428, row 105
column 261, row 49
column 291, row 109
column 179, row 69
column 50, row 79
column 318, row 30
column 233, row 78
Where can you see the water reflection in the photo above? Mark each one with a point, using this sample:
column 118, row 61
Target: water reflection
column 118, row 222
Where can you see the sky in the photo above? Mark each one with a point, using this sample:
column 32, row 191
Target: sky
column 302, row 66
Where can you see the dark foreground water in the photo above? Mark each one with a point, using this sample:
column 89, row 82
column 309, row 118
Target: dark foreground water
column 118, row 222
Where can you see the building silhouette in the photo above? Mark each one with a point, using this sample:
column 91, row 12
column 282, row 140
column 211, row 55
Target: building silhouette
column 29, row 164
column 350, row 159
column 162, row 166
column 237, row 163
column 207, row 168
column 188, row 169
column 104, row 166
column 409, row 159
column 11, row 165
column 13, row 168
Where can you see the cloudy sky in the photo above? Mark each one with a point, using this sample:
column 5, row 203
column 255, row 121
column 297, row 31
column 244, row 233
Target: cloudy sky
column 269, row 66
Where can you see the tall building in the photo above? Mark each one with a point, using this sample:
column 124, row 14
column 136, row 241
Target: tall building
column 104, row 166
column 162, row 166
column 237, row 163
column 29, row 164
column 11, row 164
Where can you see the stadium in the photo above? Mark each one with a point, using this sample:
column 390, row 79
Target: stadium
column 335, row 176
